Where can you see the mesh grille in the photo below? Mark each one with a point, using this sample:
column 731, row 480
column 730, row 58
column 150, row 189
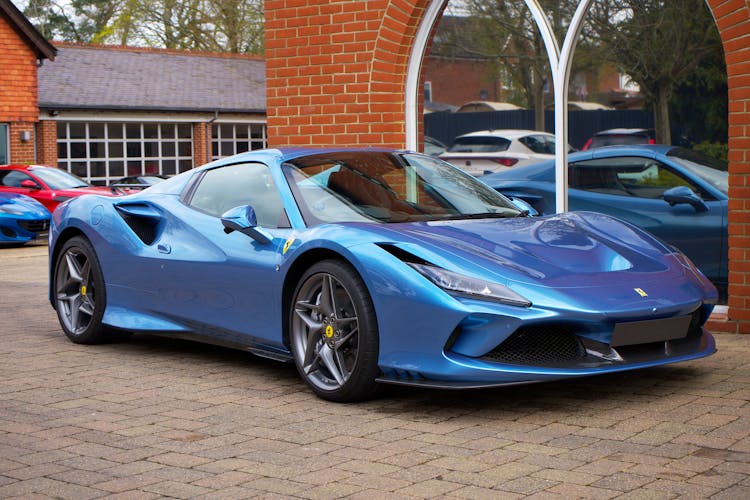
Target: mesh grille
column 540, row 345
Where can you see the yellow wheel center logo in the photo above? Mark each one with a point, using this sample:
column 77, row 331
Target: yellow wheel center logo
column 329, row 331
column 83, row 290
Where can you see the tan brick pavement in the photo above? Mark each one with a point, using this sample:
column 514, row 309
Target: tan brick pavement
column 154, row 418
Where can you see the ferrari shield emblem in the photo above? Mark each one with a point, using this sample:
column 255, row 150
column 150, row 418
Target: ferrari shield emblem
column 287, row 244
column 640, row 292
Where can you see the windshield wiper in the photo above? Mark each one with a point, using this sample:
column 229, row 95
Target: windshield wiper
column 484, row 215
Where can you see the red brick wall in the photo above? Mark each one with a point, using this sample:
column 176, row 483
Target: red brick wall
column 733, row 20
column 46, row 143
column 336, row 70
column 18, row 91
column 475, row 77
column 201, row 136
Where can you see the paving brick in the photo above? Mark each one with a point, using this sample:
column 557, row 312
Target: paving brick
column 152, row 418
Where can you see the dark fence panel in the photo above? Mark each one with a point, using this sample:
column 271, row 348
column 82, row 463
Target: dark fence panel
column 446, row 126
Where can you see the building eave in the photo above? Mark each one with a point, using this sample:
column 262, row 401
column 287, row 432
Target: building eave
column 36, row 41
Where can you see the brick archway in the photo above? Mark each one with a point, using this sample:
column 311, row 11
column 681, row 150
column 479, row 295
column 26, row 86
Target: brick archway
column 336, row 75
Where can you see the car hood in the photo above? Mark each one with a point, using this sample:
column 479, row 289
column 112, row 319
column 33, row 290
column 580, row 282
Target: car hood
column 565, row 250
column 21, row 203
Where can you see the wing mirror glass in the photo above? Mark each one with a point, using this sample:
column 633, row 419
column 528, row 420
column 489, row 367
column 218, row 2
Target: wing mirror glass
column 28, row 183
column 244, row 220
column 683, row 194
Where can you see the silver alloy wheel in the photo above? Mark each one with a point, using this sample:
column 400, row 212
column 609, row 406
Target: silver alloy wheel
column 75, row 293
column 325, row 331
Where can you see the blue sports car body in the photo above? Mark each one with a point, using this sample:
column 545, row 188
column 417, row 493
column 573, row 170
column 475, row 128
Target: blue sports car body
column 22, row 219
column 374, row 266
column 673, row 193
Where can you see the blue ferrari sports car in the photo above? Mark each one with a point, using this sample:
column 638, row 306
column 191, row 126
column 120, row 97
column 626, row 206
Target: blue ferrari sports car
column 22, row 219
column 674, row 193
column 372, row 266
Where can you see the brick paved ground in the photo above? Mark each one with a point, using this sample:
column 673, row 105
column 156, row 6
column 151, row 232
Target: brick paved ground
column 152, row 418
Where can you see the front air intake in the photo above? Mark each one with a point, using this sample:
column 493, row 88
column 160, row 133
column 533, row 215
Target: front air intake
column 551, row 345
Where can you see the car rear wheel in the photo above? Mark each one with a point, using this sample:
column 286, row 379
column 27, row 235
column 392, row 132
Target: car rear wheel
column 80, row 297
column 333, row 332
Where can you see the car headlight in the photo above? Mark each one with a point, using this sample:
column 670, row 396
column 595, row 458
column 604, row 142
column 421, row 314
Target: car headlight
column 470, row 287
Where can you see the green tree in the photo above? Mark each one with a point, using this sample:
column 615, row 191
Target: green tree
column 53, row 20
column 506, row 33
column 658, row 43
column 216, row 25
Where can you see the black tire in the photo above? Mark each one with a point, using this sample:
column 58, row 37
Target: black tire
column 79, row 293
column 334, row 342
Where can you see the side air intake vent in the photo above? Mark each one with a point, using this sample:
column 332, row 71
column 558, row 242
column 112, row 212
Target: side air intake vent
column 142, row 219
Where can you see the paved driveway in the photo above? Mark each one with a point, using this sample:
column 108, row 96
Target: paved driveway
column 150, row 418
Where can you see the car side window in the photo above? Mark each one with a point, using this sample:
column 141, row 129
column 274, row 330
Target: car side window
column 540, row 144
column 627, row 176
column 13, row 178
column 223, row 188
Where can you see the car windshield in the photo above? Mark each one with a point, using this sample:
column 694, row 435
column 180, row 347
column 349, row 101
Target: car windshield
column 389, row 187
column 55, row 178
column 709, row 169
column 479, row 144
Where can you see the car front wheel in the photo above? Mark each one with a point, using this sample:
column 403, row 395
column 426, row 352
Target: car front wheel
column 80, row 297
column 333, row 332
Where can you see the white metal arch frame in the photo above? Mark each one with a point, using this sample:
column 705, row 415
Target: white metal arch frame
column 560, row 64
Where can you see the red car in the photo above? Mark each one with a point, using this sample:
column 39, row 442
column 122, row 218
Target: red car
column 48, row 185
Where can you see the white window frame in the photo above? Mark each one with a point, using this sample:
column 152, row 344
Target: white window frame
column 7, row 142
column 181, row 162
column 218, row 139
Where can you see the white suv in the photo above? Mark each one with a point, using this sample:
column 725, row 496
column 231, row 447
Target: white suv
column 488, row 151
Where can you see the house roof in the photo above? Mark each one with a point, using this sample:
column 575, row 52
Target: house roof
column 147, row 79
column 35, row 40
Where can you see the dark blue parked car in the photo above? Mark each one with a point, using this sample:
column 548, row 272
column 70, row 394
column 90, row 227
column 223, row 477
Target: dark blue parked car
column 674, row 193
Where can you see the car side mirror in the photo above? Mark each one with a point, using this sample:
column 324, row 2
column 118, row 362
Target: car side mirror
column 683, row 194
column 523, row 205
column 28, row 183
column 244, row 220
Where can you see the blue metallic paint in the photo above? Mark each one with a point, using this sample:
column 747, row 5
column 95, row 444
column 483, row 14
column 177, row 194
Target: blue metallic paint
column 17, row 214
column 701, row 235
column 576, row 269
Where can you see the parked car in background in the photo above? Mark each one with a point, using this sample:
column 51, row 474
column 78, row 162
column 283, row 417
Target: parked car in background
column 22, row 219
column 621, row 137
column 676, row 194
column 487, row 151
column 48, row 185
column 142, row 180
column 137, row 182
column 371, row 266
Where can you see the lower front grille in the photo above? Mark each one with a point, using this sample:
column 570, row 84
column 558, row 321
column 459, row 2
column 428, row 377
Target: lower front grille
column 34, row 226
column 539, row 345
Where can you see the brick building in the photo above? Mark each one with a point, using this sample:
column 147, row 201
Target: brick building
column 106, row 112
column 24, row 50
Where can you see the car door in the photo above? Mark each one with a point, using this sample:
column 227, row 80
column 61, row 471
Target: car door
column 225, row 286
column 631, row 188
